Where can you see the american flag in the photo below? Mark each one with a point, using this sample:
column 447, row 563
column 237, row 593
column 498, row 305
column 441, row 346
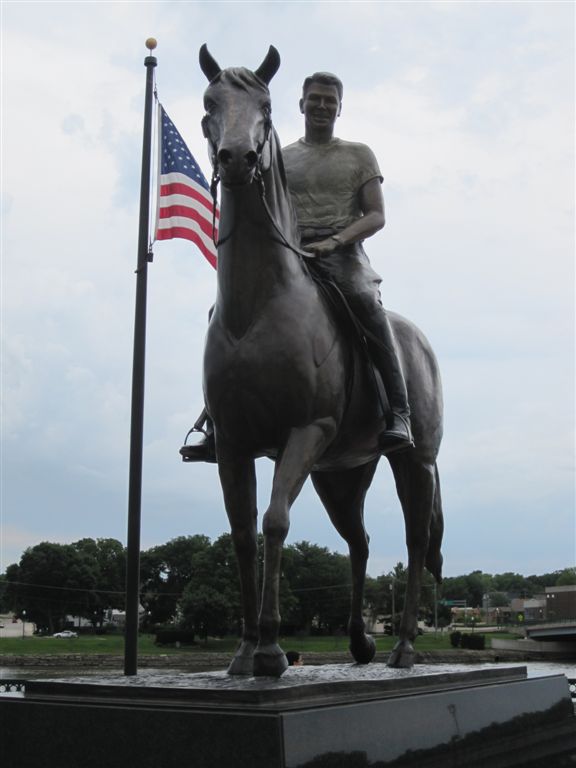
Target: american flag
column 185, row 206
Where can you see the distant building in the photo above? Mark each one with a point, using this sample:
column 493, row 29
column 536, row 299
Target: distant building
column 535, row 608
column 561, row 603
column 530, row 609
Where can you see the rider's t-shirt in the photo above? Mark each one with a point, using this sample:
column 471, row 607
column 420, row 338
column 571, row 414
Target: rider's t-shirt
column 324, row 181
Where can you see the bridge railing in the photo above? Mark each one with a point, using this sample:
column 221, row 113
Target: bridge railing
column 12, row 686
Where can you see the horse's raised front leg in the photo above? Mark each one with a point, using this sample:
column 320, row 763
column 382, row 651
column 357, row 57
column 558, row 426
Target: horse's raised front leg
column 303, row 447
column 343, row 494
column 238, row 479
column 415, row 481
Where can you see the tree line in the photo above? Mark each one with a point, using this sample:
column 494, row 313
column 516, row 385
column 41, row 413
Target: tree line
column 192, row 581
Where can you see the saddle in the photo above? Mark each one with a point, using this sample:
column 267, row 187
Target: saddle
column 357, row 335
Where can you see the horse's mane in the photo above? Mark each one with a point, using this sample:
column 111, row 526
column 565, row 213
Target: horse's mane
column 282, row 179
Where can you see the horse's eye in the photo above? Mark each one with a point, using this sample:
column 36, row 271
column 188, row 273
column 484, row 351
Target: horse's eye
column 267, row 110
column 209, row 106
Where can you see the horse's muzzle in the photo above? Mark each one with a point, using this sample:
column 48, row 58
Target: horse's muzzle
column 237, row 167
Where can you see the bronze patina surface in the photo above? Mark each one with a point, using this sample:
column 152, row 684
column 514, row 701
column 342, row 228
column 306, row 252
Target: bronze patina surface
column 282, row 378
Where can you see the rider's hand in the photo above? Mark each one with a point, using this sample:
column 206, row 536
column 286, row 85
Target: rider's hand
column 322, row 247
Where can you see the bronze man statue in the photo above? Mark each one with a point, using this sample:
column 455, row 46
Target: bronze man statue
column 337, row 194
column 336, row 190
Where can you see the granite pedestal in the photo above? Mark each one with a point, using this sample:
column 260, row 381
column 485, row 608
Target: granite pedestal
column 341, row 716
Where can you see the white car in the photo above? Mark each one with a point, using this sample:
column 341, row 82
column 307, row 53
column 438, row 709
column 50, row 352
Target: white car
column 66, row 633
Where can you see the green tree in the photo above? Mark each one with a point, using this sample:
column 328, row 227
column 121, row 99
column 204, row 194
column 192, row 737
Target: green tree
column 566, row 578
column 320, row 582
column 470, row 588
column 50, row 582
column 166, row 570
column 513, row 584
column 476, row 584
column 539, row 583
column 4, row 608
column 205, row 610
column 210, row 604
column 376, row 598
column 108, row 557
column 378, row 601
column 498, row 599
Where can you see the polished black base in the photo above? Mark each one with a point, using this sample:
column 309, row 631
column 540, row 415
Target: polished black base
column 313, row 717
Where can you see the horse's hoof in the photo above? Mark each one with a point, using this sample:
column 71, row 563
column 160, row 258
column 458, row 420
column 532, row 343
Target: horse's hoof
column 433, row 563
column 362, row 648
column 269, row 661
column 243, row 661
column 402, row 656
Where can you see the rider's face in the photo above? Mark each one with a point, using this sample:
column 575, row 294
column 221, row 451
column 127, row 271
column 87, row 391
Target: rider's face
column 320, row 105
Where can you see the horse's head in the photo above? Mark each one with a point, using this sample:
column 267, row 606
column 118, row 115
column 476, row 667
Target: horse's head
column 237, row 123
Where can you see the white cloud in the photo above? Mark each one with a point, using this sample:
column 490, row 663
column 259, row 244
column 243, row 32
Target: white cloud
column 470, row 110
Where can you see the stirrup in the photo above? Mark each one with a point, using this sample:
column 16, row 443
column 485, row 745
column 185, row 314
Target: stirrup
column 205, row 450
column 396, row 439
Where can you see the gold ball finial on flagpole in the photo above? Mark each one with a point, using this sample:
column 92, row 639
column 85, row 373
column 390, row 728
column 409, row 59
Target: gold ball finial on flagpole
column 151, row 43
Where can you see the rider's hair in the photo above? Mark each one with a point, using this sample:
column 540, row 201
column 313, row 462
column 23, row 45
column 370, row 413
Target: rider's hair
column 324, row 78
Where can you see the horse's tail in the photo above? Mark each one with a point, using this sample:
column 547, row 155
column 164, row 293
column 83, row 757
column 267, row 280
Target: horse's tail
column 434, row 555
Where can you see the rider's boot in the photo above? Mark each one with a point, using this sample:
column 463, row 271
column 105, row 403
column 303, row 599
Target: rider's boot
column 398, row 434
column 204, row 449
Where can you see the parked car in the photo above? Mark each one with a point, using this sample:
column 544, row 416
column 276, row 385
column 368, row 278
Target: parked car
column 67, row 633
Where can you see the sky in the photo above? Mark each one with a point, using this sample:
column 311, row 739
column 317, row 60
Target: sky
column 469, row 108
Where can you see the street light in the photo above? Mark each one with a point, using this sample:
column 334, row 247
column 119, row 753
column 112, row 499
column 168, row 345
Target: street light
column 23, row 624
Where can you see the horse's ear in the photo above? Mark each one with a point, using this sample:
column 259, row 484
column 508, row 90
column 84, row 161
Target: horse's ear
column 269, row 66
column 208, row 63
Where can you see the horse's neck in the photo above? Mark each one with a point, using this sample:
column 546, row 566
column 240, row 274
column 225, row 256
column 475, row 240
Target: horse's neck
column 253, row 262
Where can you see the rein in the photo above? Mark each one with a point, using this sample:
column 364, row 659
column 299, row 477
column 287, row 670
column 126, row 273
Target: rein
column 259, row 179
column 328, row 288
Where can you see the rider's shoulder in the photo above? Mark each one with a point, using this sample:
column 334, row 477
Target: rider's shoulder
column 356, row 147
column 336, row 144
column 295, row 146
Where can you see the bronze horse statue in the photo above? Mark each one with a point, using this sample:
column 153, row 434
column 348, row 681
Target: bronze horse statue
column 283, row 379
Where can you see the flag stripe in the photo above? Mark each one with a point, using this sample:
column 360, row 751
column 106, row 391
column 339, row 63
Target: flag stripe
column 188, row 201
column 185, row 233
column 183, row 211
column 185, row 222
column 186, row 191
column 185, row 205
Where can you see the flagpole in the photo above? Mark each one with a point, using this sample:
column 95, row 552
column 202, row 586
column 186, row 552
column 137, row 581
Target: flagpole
column 138, row 370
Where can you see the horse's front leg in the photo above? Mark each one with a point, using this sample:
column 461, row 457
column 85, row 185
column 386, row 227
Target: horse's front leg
column 303, row 447
column 238, row 479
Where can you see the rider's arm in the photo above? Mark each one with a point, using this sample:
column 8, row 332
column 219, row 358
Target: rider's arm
column 372, row 207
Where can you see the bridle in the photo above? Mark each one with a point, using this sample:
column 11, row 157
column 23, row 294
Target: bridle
column 258, row 179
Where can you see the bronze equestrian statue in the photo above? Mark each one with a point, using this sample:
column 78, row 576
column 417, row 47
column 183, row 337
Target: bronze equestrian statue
column 285, row 378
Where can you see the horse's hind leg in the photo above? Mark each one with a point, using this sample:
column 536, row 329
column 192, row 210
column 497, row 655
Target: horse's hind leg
column 434, row 557
column 416, row 485
column 343, row 494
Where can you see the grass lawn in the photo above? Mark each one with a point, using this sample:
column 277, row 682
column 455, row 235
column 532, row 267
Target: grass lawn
column 114, row 644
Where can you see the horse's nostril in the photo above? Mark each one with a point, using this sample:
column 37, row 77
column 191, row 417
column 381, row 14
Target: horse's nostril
column 224, row 157
column 251, row 158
